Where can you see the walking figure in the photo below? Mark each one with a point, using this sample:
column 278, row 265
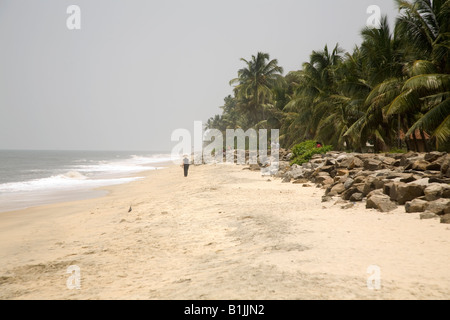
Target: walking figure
column 185, row 165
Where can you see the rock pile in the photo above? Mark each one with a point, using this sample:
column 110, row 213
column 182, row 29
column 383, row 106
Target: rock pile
column 419, row 181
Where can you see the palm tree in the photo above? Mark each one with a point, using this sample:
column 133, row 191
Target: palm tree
column 383, row 68
column 255, row 83
column 424, row 30
column 312, row 100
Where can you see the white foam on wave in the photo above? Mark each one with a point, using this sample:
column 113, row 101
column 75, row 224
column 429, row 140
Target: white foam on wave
column 69, row 181
column 88, row 176
column 132, row 165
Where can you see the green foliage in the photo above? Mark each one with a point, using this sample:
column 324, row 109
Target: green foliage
column 395, row 83
column 397, row 150
column 303, row 152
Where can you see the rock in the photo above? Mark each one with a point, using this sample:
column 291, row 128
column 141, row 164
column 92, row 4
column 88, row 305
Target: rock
column 340, row 179
column 428, row 215
column 420, row 165
column 322, row 177
column 347, row 206
column 360, row 179
column 337, row 189
column 342, row 157
column 387, row 188
column 381, row 203
column 355, row 188
column 348, row 183
column 433, row 156
column 439, row 206
column 327, row 182
column 408, row 192
column 372, row 164
column 389, row 161
column 416, row 205
column 284, row 165
column 326, row 198
column 300, row 181
column 339, row 201
column 439, row 180
column 286, row 180
column 327, row 169
column 375, row 192
column 351, row 163
column 445, row 218
column 435, row 166
column 434, row 191
column 446, row 193
column 307, row 165
column 296, row 173
column 306, row 185
column 254, row 167
column 357, row 196
column 409, row 178
column 342, row 172
column 404, row 160
column 445, row 168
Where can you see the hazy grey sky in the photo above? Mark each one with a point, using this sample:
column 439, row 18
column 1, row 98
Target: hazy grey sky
column 137, row 70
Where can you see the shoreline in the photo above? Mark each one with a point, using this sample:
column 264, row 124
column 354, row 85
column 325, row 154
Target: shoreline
column 221, row 233
column 71, row 195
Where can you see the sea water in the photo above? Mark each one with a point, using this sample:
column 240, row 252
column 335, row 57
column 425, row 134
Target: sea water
column 30, row 178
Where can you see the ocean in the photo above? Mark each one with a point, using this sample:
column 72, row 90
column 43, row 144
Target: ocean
column 29, row 178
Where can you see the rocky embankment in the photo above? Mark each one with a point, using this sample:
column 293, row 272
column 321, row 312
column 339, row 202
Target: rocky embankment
column 419, row 181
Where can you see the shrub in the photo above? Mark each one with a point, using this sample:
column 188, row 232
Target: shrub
column 303, row 152
column 396, row 150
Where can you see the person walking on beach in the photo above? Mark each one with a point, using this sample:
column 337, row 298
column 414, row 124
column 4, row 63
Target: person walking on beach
column 185, row 165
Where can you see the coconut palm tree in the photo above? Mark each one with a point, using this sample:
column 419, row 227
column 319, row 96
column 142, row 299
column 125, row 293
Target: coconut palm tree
column 255, row 82
column 316, row 85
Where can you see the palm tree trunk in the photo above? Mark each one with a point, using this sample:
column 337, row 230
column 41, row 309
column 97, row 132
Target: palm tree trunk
column 424, row 141
column 415, row 142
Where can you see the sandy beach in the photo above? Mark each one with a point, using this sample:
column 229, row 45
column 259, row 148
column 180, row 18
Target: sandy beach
column 221, row 233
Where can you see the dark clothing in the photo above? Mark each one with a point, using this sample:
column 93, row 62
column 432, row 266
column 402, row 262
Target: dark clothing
column 186, row 168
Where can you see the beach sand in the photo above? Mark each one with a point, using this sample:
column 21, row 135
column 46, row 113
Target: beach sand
column 220, row 233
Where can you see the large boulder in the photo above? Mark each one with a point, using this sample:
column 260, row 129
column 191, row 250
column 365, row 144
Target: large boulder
column 348, row 183
column 355, row 188
column 408, row 157
column 403, row 192
column 439, row 206
column 416, row 205
column 435, row 191
column 372, row 164
column 336, row 189
column 433, row 156
column 357, row 196
column 434, row 166
column 419, row 165
column 428, row 215
column 389, row 161
column 381, row 203
column 296, row 172
column 445, row 218
column 387, row 188
column 445, row 168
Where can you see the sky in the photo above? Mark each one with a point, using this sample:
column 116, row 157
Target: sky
column 136, row 70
